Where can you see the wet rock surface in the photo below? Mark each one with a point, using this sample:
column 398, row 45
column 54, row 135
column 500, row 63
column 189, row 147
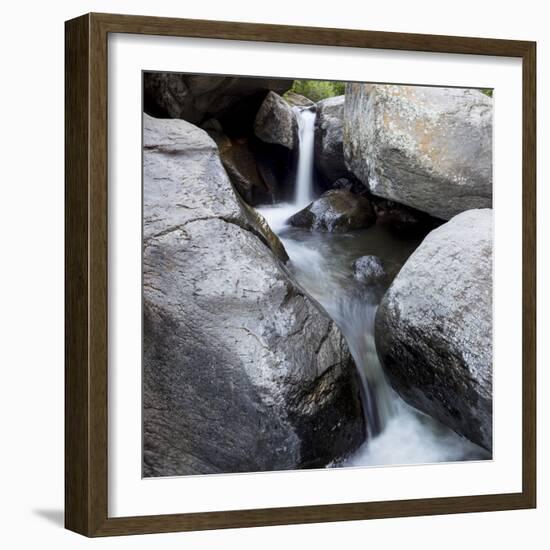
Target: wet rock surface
column 335, row 211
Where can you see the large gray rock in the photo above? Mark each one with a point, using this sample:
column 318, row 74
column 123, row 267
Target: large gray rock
column 429, row 148
column 329, row 139
column 242, row 370
column 276, row 122
column 335, row 211
column 196, row 98
column 434, row 326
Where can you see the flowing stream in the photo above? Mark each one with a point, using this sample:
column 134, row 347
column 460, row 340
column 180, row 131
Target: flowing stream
column 322, row 264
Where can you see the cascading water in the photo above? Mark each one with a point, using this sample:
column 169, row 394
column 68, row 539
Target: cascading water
column 304, row 173
column 322, row 264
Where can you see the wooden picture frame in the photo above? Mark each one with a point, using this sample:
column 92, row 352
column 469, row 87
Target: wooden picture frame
column 86, row 282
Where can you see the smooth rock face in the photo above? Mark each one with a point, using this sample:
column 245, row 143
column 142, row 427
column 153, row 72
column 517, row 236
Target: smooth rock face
column 242, row 371
column 335, row 211
column 196, row 98
column 369, row 269
column 276, row 122
column 329, row 139
column 434, row 326
column 426, row 147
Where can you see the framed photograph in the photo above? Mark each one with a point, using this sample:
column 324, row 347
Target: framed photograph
column 300, row 275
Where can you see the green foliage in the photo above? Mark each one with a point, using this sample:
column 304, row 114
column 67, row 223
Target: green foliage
column 315, row 90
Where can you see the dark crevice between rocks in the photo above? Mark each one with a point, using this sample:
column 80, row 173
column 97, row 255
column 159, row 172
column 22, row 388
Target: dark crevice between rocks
column 262, row 173
column 403, row 221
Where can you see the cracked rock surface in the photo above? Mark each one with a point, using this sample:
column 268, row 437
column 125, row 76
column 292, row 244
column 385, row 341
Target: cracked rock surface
column 242, row 371
column 434, row 326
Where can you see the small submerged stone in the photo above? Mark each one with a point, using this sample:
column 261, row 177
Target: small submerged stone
column 336, row 210
column 369, row 269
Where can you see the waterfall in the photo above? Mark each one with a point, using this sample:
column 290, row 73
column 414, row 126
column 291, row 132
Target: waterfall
column 304, row 174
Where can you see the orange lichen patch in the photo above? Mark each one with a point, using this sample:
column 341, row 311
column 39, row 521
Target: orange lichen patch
column 423, row 137
column 406, row 91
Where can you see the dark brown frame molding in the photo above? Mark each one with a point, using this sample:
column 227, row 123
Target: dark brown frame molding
column 86, row 274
